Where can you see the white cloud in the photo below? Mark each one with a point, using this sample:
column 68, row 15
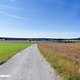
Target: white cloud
column 15, row 16
column 11, row 15
column 56, row 35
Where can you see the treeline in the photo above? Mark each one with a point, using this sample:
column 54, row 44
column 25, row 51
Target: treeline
column 72, row 40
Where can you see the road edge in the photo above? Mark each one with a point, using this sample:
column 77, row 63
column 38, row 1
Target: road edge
column 51, row 70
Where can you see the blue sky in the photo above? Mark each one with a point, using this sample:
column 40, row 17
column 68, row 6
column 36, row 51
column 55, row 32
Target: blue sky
column 40, row 18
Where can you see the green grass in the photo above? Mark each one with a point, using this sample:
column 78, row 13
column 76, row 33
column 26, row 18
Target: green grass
column 67, row 68
column 8, row 49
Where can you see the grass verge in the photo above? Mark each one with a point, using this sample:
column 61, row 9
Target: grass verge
column 67, row 68
column 8, row 49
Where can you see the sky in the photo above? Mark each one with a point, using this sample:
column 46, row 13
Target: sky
column 40, row 18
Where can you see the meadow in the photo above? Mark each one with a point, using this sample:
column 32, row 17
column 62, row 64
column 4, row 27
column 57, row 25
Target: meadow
column 63, row 57
column 8, row 49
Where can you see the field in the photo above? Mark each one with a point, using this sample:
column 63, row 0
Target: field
column 63, row 57
column 8, row 49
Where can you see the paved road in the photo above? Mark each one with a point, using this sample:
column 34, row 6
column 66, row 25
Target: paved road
column 26, row 65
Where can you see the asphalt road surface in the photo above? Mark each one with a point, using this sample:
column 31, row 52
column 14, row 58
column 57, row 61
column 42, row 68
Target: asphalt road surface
column 26, row 65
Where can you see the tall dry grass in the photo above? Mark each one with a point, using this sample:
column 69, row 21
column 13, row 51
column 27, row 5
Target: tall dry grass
column 63, row 57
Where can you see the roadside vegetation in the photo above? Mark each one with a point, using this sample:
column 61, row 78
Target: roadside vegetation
column 8, row 49
column 63, row 57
